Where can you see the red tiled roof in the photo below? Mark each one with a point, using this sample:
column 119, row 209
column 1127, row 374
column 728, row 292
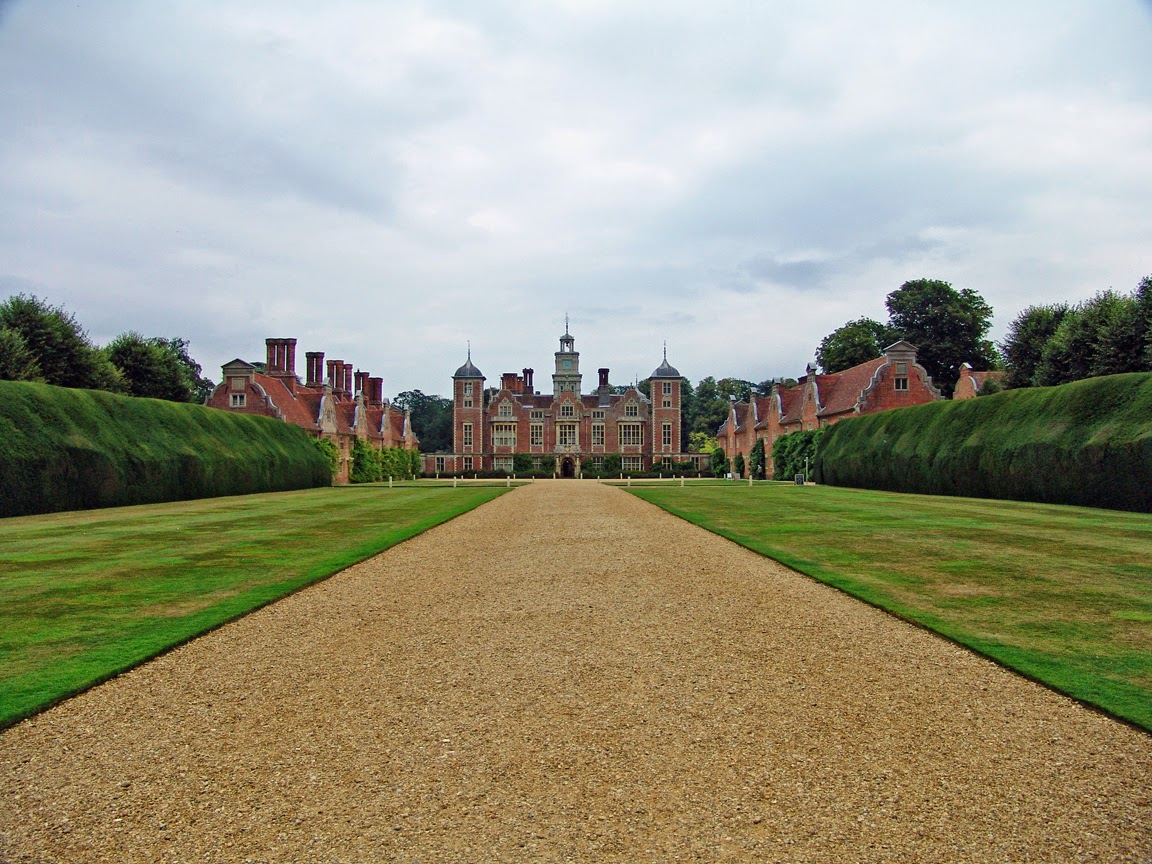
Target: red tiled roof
column 841, row 391
column 300, row 408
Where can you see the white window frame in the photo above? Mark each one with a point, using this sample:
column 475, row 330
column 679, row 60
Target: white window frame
column 631, row 434
column 597, row 434
column 238, row 400
column 503, row 434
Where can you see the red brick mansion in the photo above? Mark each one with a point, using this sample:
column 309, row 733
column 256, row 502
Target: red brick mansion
column 490, row 428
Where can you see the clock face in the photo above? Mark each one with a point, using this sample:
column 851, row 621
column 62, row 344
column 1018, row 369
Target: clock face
column 567, row 364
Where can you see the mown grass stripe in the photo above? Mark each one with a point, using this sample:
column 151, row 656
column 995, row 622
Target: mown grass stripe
column 86, row 595
column 1060, row 594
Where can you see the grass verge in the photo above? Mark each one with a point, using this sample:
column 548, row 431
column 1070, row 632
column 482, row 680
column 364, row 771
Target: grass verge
column 87, row 595
column 1060, row 594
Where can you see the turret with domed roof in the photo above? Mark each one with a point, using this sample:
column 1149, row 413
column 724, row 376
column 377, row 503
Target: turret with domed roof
column 665, row 386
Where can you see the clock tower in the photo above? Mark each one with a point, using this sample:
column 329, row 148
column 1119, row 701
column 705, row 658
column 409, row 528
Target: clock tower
column 566, row 379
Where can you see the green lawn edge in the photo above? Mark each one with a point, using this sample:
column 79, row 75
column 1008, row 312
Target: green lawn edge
column 26, row 695
column 1116, row 698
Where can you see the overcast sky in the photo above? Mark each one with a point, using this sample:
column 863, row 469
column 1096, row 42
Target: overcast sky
column 389, row 181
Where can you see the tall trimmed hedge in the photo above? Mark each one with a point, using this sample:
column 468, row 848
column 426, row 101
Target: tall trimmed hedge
column 1086, row 443
column 64, row 449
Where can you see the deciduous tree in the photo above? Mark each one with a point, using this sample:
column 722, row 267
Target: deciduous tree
column 62, row 350
column 856, row 342
column 949, row 328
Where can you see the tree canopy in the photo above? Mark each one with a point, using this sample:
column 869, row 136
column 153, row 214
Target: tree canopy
column 431, row 419
column 856, row 342
column 62, row 351
column 948, row 327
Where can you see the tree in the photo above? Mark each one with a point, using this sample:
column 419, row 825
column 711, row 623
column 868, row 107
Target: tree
column 711, row 408
column 738, row 465
column 756, row 460
column 1095, row 337
column 61, row 348
column 199, row 387
column 431, row 419
column 764, row 388
column 719, row 462
column 734, row 389
column 148, row 367
column 856, row 342
column 1023, row 346
column 17, row 363
column 949, row 328
column 698, row 442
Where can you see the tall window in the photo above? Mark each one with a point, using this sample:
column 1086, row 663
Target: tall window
column 631, row 434
column 439, row 464
column 597, row 434
column 467, row 394
column 537, row 434
column 666, row 435
column 667, row 388
column 467, row 463
column 466, row 434
column 566, row 434
column 504, row 435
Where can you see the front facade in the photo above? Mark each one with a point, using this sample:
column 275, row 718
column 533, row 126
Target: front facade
column 490, row 428
column 332, row 402
column 893, row 380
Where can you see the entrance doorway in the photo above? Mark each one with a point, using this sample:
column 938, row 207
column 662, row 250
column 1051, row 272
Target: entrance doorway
column 567, row 467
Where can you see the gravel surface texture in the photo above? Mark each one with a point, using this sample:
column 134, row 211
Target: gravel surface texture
column 570, row 674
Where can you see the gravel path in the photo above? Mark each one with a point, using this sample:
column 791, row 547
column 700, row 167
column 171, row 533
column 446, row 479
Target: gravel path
column 569, row 674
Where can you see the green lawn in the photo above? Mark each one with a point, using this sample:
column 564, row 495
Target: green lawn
column 1061, row 594
column 86, row 595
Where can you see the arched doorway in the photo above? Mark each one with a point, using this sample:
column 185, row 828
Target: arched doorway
column 567, row 467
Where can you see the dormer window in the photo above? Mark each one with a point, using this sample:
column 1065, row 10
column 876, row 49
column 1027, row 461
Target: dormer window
column 567, row 411
column 237, row 400
column 505, row 409
column 631, row 410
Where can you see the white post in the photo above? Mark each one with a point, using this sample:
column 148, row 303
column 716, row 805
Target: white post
column 681, row 481
column 453, row 482
column 389, row 481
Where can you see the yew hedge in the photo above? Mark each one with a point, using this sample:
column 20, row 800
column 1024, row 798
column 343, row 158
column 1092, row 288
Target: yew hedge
column 1087, row 443
column 65, row 449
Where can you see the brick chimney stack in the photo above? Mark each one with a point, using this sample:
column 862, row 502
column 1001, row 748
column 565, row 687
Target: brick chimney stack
column 375, row 392
column 314, row 363
column 603, row 377
column 333, row 365
column 348, row 379
column 361, row 382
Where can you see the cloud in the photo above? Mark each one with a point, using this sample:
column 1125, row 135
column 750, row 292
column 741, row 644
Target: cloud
column 389, row 181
